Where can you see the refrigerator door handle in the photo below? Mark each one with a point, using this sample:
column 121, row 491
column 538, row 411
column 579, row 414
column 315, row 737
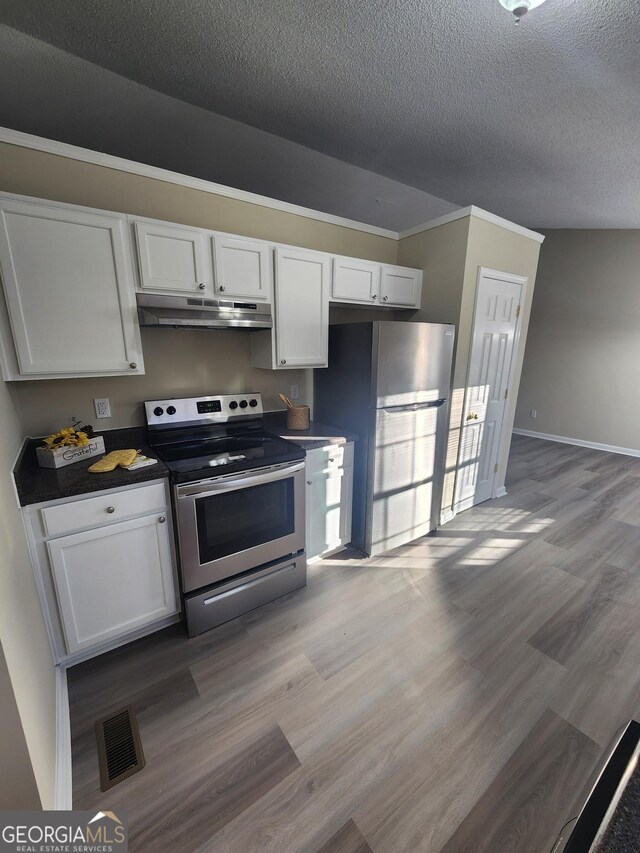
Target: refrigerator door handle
column 414, row 407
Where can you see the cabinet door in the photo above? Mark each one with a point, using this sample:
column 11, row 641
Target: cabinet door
column 355, row 281
column 172, row 258
column 302, row 308
column 68, row 283
column 316, row 509
column 112, row 580
column 401, row 286
column 242, row 269
column 329, row 495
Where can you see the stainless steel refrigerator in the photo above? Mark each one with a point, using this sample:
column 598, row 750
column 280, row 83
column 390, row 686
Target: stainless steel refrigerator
column 389, row 382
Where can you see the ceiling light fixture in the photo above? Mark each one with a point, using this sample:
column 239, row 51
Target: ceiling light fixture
column 520, row 7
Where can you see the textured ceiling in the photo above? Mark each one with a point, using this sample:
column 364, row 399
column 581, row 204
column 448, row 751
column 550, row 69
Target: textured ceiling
column 538, row 123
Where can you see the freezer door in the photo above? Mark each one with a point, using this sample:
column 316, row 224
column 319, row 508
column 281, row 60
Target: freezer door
column 412, row 362
column 405, row 475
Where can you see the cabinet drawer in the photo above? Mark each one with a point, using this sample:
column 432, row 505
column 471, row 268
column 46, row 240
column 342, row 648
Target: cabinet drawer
column 94, row 512
column 328, row 458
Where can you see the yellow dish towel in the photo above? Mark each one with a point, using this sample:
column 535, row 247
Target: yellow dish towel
column 112, row 460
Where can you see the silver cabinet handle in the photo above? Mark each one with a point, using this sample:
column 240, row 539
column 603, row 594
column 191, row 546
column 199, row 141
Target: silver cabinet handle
column 384, row 298
column 332, row 459
column 375, row 296
column 309, row 482
column 283, row 361
column 111, row 509
column 162, row 519
column 132, row 365
column 201, row 286
column 222, row 288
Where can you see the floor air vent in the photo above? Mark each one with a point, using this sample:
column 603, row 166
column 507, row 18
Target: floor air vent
column 119, row 747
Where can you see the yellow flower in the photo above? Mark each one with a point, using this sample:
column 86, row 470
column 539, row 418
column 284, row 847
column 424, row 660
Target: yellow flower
column 66, row 437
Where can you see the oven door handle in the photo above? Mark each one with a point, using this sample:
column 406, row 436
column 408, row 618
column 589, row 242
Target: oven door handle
column 240, row 482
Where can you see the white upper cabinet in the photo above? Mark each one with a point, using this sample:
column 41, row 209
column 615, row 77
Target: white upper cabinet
column 302, row 308
column 69, row 292
column 172, row 259
column 401, row 287
column 367, row 283
column 355, row 281
column 242, row 269
column 301, row 316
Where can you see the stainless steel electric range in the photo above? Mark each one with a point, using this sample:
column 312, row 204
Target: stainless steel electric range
column 238, row 496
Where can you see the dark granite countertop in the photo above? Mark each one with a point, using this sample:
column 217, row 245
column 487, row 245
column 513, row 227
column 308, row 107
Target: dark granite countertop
column 35, row 484
column 318, row 435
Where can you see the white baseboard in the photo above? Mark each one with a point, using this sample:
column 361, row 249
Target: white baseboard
column 501, row 491
column 592, row 445
column 64, row 788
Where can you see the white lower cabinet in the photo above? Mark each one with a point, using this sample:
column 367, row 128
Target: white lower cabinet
column 102, row 585
column 329, row 497
column 112, row 580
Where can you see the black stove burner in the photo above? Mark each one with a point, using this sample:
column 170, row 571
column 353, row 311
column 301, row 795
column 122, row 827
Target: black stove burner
column 196, row 458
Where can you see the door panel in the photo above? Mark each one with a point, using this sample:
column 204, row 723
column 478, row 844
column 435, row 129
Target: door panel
column 329, row 495
column 401, row 286
column 242, row 269
column 172, row 259
column 112, row 580
column 68, row 284
column 302, row 308
column 355, row 281
column 495, row 325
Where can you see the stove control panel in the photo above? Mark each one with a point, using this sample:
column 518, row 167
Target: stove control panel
column 220, row 409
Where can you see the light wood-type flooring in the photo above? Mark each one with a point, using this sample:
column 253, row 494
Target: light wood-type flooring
column 455, row 694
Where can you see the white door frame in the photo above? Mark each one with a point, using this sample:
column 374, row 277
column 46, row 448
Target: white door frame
column 523, row 281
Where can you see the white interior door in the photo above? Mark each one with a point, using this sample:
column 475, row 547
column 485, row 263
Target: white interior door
column 495, row 328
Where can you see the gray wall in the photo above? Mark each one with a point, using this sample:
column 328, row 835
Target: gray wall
column 581, row 363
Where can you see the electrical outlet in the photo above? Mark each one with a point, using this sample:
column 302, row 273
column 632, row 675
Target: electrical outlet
column 295, row 392
column 533, row 413
column 102, row 407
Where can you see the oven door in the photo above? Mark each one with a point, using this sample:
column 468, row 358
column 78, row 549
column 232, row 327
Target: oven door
column 230, row 524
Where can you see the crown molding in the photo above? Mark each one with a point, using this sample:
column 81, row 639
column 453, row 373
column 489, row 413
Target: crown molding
column 109, row 161
column 97, row 158
column 479, row 213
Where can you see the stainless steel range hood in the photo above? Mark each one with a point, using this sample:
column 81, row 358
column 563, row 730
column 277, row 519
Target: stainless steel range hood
column 198, row 313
